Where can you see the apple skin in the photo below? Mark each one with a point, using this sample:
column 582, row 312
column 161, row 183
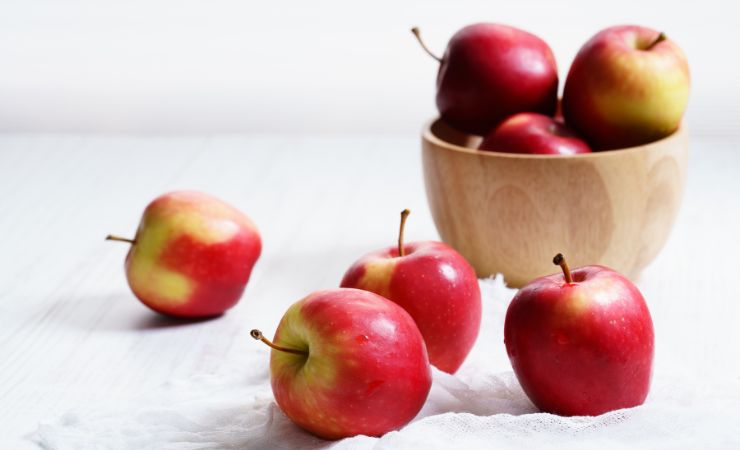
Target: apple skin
column 193, row 255
column 583, row 348
column 533, row 133
column 367, row 370
column 437, row 287
column 489, row 72
column 621, row 93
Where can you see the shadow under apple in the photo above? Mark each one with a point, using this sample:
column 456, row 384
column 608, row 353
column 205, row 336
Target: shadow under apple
column 114, row 312
column 154, row 321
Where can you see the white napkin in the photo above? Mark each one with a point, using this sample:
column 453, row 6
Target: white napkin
column 482, row 406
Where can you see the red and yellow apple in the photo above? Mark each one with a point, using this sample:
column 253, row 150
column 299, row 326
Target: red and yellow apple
column 581, row 342
column 490, row 72
column 533, row 133
column 628, row 85
column 435, row 284
column 348, row 362
column 192, row 255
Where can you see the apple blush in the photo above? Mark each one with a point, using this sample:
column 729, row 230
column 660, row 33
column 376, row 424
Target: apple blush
column 192, row 255
column 346, row 362
column 581, row 342
column 628, row 86
column 490, row 72
column 533, row 133
column 437, row 287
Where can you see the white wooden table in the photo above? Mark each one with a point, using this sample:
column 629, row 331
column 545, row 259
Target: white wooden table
column 71, row 333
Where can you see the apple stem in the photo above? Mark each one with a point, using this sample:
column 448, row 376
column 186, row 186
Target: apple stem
column 661, row 37
column 404, row 215
column 111, row 237
column 417, row 33
column 559, row 260
column 257, row 334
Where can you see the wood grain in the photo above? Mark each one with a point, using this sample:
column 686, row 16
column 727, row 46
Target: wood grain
column 510, row 213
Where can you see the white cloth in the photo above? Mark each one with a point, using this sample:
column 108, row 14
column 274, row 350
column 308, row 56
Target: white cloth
column 482, row 406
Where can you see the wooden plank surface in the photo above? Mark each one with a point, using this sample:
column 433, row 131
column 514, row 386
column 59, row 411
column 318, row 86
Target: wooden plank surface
column 71, row 333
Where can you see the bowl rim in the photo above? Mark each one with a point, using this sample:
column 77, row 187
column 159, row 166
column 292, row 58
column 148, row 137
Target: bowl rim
column 429, row 136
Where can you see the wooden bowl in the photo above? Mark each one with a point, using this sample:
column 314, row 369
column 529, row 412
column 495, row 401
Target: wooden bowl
column 511, row 213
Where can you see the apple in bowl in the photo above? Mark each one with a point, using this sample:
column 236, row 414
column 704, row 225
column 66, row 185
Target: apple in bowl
column 628, row 86
column 535, row 134
column 491, row 71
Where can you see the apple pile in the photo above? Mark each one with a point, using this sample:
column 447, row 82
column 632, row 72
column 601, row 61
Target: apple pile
column 344, row 361
column 627, row 86
column 356, row 359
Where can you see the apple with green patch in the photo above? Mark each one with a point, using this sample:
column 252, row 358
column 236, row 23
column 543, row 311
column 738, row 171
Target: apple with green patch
column 628, row 85
column 435, row 284
column 192, row 255
column 346, row 362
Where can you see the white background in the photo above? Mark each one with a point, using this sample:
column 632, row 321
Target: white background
column 294, row 66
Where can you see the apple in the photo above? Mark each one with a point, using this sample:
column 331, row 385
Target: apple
column 534, row 133
column 490, row 72
column 435, row 284
column 348, row 362
column 192, row 255
column 628, row 86
column 581, row 343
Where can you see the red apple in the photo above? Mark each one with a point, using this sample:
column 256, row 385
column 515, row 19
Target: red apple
column 628, row 86
column 581, row 343
column 435, row 284
column 192, row 255
column 534, row 134
column 490, row 72
column 348, row 362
